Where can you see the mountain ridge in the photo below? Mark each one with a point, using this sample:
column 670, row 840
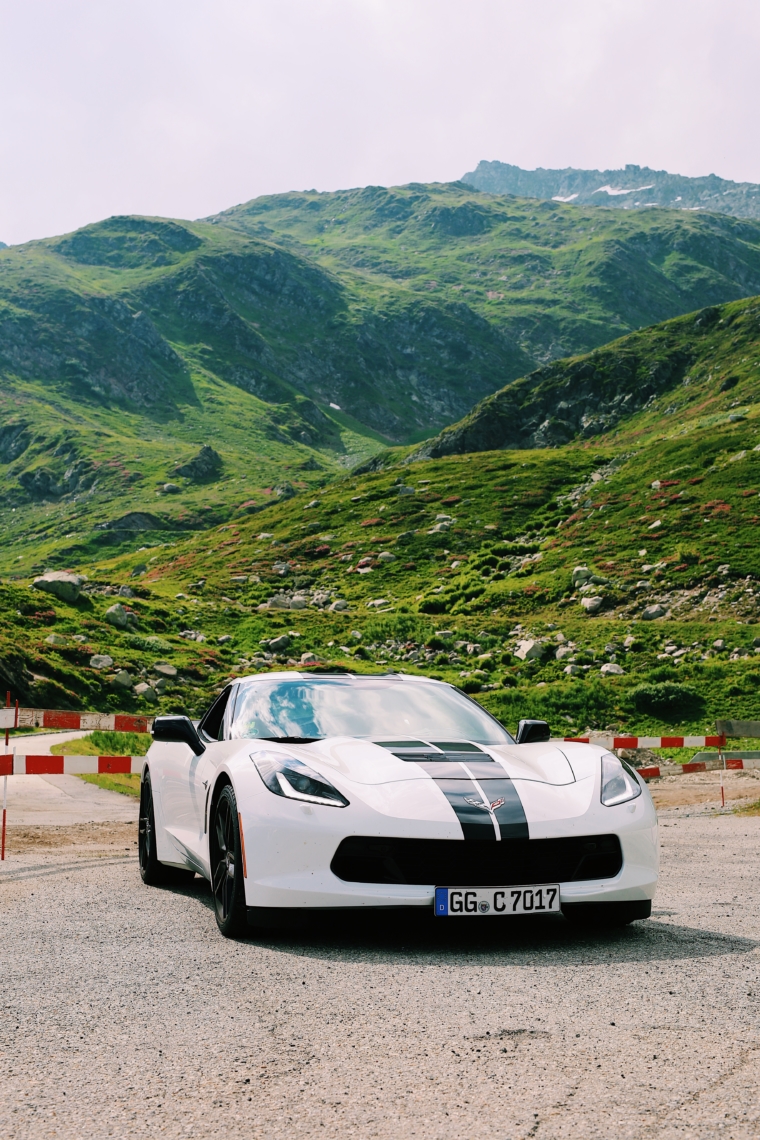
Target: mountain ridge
column 630, row 187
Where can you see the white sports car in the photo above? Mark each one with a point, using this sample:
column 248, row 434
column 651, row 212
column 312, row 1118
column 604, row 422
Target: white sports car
column 306, row 792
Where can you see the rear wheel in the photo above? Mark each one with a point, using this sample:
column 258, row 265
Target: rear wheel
column 611, row 914
column 227, row 866
column 151, row 871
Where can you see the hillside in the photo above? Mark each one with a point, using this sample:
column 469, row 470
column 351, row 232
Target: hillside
column 295, row 337
column 702, row 369
column 630, row 188
column 446, row 565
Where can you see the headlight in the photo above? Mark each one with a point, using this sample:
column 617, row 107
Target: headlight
column 286, row 776
column 619, row 782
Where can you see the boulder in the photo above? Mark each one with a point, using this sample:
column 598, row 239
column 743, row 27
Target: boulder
column 126, row 592
column 649, row 613
column 55, row 639
column 207, row 464
column 171, row 489
column 299, row 602
column 386, row 556
column 339, row 605
column 101, row 661
column 164, row 669
column 122, row 680
column 61, row 584
column 592, row 605
column 719, row 644
column 611, row 669
column 117, row 616
column 580, row 575
column 224, row 639
column 147, row 692
column 309, row 658
column 278, row 644
column 528, row 650
column 564, row 651
column 571, row 670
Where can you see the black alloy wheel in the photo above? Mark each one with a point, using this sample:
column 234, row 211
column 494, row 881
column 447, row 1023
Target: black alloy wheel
column 151, row 871
column 227, row 866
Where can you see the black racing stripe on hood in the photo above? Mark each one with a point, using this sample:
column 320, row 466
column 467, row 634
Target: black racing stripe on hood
column 510, row 814
column 464, row 798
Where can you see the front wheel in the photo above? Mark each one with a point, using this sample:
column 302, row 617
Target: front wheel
column 606, row 915
column 227, row 866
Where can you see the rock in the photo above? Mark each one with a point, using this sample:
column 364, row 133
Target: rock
column 170, row 489
column 405, row 536
column 386, row 556
column 571, row 670
column 281, row 568
column 309, row 658
column 580, row 575
column 122, row 680
column 126, row 592
column 719, row 644
column 439, row 527
column 529, row 650
column 55, row 639
column 299, row 602
column 649, row 613
column 338, row 606
column 224, row 639
column 117, row 616
column 164, row 669
column 611, row 669
column 402, row 490
column 376, row 602
column 239, row 579
column 61, row 584
column 564, row 651
column 161, row 686
column 101, row 661
column 264, row 534
column 200, row 637
column 207, row 464
column 277, row 644
column 147, row 692
column 629, row 642
column 592, row 605
column 135, row 521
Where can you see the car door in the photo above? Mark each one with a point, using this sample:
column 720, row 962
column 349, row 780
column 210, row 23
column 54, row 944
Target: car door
column 187, row 778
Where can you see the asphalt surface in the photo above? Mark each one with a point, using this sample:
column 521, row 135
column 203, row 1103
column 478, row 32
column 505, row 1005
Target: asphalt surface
column 125, row 1013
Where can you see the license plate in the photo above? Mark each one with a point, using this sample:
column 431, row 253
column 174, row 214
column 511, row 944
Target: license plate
column 465, row 901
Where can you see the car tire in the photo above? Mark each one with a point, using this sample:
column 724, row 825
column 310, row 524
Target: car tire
column 152, row 872
column 226, row 860
column 607, row 915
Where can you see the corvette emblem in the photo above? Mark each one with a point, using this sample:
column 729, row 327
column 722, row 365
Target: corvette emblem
column 473, row 801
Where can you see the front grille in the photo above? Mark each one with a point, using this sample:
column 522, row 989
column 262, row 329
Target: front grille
column 472, row 863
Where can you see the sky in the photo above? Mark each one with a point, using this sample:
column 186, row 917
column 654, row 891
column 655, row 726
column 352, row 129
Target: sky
column 183, row 108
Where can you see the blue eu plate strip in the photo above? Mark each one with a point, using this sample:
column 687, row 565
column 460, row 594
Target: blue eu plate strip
column 441, row 900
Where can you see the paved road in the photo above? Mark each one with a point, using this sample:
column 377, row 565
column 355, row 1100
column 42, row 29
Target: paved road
column 125, row 1014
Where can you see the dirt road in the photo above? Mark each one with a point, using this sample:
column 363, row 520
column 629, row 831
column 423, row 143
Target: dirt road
column 126, row 1014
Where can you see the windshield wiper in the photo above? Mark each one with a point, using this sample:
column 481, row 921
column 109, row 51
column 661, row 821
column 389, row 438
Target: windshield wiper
column 292, row 739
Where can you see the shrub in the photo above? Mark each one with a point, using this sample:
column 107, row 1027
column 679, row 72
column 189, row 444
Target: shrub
column 668, row 700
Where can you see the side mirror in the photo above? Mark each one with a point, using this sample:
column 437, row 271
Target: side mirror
column 532, row 731
column 178, row 730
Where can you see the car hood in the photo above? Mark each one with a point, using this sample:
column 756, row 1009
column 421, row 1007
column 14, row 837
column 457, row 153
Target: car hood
column 368, row 762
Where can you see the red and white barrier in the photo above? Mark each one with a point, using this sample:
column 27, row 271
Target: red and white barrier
column 88, row 721
column 29, row 765
column 606, row 740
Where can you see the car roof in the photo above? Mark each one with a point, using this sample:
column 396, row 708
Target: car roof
column 356, row 677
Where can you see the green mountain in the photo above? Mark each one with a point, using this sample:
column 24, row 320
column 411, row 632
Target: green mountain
column 444, row 565
column 296, row 336
column 630, row 188
column 696, row 371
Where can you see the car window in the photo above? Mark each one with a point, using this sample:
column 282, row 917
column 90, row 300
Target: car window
column 213, row 723
column 376, row 707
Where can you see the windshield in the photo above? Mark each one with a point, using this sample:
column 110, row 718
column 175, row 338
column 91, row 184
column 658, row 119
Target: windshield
column 379, row 708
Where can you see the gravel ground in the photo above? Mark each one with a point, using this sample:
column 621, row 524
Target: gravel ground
column 126, row 1014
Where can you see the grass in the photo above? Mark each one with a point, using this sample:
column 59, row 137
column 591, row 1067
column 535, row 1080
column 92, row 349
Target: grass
column 100, row 743
column 461, row 591
column 127, row 785
column 403, row 307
